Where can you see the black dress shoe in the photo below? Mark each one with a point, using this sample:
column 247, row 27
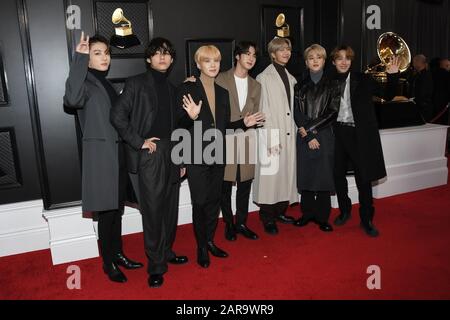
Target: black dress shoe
column 325, row 226
column 271, row 228
column 114, row 273
column 230, row 232
column 203, row 257
column 342, row 218
column 178, row 260
column 216, row 251
column 246, row 232
column 370, row 229
column 155, row 280
column 303, row 221
column 123, row 261
column 285, row 219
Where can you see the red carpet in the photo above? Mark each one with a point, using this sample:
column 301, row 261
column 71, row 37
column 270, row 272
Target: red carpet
column 412, row 252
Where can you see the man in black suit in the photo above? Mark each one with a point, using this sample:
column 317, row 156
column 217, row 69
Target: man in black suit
column 357, row 139
column 145, row 117
column 207, row 116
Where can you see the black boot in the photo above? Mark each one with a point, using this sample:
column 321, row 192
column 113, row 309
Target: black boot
column 370, row 229
column 303, row 221
column 342, row 218
column 216, row 251
column 155, row 280
column 230, row 232
column 114, row 273
column 246, row 232
column 203, row 257
column 285, row 219
column 123, row 261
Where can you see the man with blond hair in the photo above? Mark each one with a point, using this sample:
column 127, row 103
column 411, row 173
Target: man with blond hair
column 207, row 110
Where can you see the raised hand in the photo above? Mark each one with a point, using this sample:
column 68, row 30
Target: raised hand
column 254, row 119
column 83, row 45
column 394, row 65
column 150, row 145
column 191, row 107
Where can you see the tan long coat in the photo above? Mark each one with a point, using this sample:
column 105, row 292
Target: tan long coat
column 275, row 175
column 244, row 143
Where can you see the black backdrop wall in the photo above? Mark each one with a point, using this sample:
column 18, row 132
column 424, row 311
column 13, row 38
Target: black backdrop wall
column 39, row 154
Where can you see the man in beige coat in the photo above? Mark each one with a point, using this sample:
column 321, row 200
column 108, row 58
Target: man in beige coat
column 274, row 187
column 245, row 93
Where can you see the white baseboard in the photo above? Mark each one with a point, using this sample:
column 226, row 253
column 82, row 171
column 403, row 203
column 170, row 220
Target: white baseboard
column 22, row 228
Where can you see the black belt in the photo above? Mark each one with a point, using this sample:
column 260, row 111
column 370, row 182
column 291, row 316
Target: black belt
column 346, row 124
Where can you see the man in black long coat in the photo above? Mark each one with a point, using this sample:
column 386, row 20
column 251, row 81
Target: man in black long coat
column 357, row 138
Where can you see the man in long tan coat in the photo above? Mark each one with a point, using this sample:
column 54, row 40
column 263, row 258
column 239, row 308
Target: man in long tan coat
column 245, row 93
column 274, row 187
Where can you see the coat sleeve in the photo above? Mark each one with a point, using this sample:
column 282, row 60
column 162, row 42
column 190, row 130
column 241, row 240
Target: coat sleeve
column 268, row 137
column 299, row 117
column 120, row 117
column 76, row 93
column 329, row 115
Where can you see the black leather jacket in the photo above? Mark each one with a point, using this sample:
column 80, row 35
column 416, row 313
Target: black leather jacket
column 316, row 105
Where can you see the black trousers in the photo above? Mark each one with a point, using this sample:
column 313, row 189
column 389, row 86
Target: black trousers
column 205, row 185
column 110, row 221
column 316, row 205
column 110, row 234
column 268, row 213
column 158, row 199
column 242, row 198
column 346, row 149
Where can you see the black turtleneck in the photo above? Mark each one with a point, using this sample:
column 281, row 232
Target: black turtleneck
column 101, row 76
column 284, row 77
column 161, row 127
column 342, row 76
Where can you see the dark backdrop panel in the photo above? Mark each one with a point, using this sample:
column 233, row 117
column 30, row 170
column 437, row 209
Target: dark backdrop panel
column 46, row 21
column 19, row 179
column 353, row 28
column 239, row 20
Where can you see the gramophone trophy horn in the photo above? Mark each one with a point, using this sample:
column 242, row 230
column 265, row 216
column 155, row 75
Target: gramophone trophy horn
column 283, row 30
column 125, row 25
column 123, row 37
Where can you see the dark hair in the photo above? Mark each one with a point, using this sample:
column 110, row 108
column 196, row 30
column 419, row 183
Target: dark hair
column 348, row 52
column 243, row 47
column 160, row 44
column 98, row 38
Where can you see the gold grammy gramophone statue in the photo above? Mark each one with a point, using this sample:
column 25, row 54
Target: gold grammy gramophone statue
column 123, row 37
column 283, row 30
column 389, row 45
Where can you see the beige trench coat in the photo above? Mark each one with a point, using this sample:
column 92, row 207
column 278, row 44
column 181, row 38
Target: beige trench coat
column 276, row 174
column 241, row 147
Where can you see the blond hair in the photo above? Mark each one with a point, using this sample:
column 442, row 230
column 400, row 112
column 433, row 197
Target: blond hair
column 208, row 51
column 278, row 44
column 317, row 48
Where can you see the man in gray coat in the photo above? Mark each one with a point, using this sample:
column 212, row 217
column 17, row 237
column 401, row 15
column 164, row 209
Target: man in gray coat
column 103, row 167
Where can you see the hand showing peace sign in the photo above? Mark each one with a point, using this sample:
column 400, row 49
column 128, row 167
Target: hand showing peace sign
column 83, row 45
